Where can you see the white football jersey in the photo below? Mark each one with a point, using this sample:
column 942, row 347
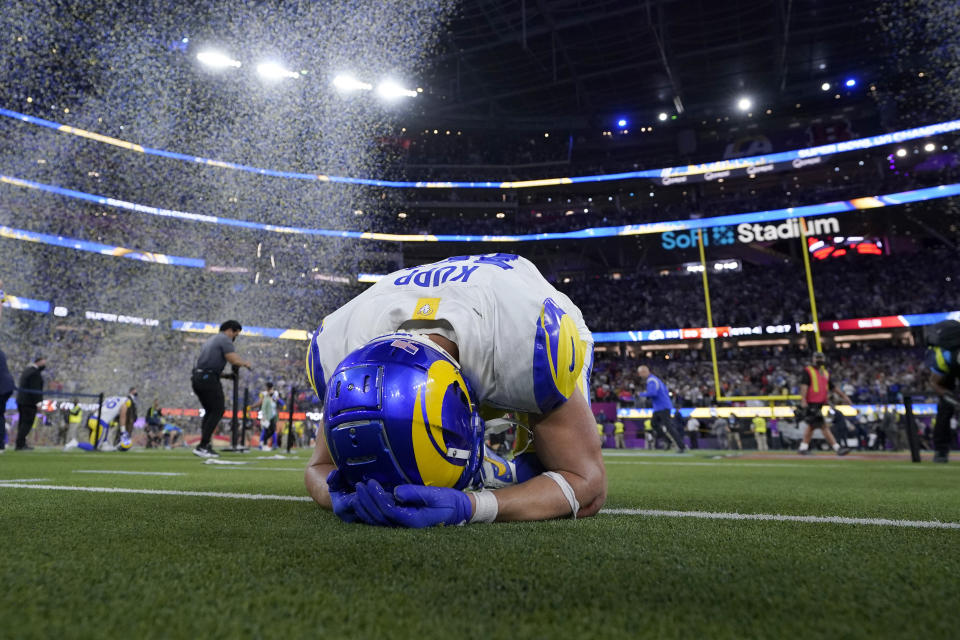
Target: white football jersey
column 523, row 345
column 111, row 409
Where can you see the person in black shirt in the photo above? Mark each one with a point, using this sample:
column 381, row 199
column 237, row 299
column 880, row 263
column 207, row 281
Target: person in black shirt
column 205, row 379
column 29, row 393
column 6, row 387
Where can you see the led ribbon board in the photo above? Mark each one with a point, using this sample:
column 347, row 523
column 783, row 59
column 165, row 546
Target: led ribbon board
column 258, row 332
column 96, row 247
column 849, row 324
column 779, row 411
column 661, row 174
column 654, row 335
column 26, row 304
column 772, row 215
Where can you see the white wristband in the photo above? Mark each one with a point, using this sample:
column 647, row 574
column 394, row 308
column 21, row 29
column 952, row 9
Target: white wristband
column 567, row 491
column 487, row 507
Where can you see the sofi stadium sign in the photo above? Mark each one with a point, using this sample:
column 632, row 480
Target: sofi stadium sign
column 746, row 233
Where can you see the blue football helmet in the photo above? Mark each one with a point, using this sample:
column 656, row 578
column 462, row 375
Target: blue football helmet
column 399, row 410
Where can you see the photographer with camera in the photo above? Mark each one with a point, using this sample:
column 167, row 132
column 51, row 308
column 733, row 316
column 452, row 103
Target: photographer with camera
column 942, row 361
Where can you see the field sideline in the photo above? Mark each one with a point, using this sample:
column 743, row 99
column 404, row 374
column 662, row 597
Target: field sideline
column 159, row 544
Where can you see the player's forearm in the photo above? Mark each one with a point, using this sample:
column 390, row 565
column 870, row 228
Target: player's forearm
column 316, row 480
column 541, row 498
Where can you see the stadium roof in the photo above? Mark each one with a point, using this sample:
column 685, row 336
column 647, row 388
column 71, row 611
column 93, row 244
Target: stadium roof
column 556, row 59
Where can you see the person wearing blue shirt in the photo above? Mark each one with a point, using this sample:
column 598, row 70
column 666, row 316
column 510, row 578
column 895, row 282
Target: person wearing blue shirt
column 662, row 406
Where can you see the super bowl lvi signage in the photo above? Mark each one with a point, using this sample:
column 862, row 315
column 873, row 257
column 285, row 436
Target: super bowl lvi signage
column 746, row 233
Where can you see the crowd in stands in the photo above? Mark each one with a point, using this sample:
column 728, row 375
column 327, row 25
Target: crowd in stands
column 450, row 154
column 849, row 287
column 93, row 355
column 287, row 281
column 867, row 374
column 555, row 210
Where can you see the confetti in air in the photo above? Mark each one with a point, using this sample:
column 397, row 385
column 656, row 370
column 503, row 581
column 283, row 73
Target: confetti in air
column 130, row 71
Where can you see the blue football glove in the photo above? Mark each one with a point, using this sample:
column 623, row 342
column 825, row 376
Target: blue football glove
column 344, row 501
column 372, row 501
column 416, row 507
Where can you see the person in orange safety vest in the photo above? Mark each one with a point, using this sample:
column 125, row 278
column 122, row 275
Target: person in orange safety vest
column 815, row 390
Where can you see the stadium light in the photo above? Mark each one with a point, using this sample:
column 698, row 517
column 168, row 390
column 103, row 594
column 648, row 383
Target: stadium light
column 217, row 60
column 390, row 90
column 274, row 71
column 929, row 147
column 663, row 116
column 622, row 122
column 825, row 86
column 347, row 83
column 901, row 153
column 744, row 103
column 851, row 82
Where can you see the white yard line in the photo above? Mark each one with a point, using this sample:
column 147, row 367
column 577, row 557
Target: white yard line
column 732, row 463
column 706, row 515
column 130, row 473
column 710, row 515
column 157, row 492
column 300, row 469
column 24, row 480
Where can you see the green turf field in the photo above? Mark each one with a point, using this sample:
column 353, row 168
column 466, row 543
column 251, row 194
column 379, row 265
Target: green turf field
column 79, row 564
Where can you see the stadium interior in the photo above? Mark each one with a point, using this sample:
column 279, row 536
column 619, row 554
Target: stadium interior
column 722, row 187
column 592, row 107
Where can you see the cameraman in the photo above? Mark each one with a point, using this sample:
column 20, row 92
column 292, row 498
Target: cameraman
column 942, row 361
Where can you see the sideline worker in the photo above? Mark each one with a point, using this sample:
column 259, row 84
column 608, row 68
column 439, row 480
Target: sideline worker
column 6, row 385
column 943, row 362
column 618, row 435
column 29, row 394
column 663, row 423
column 205, row 380
column 814, row 393
column 759, row 425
